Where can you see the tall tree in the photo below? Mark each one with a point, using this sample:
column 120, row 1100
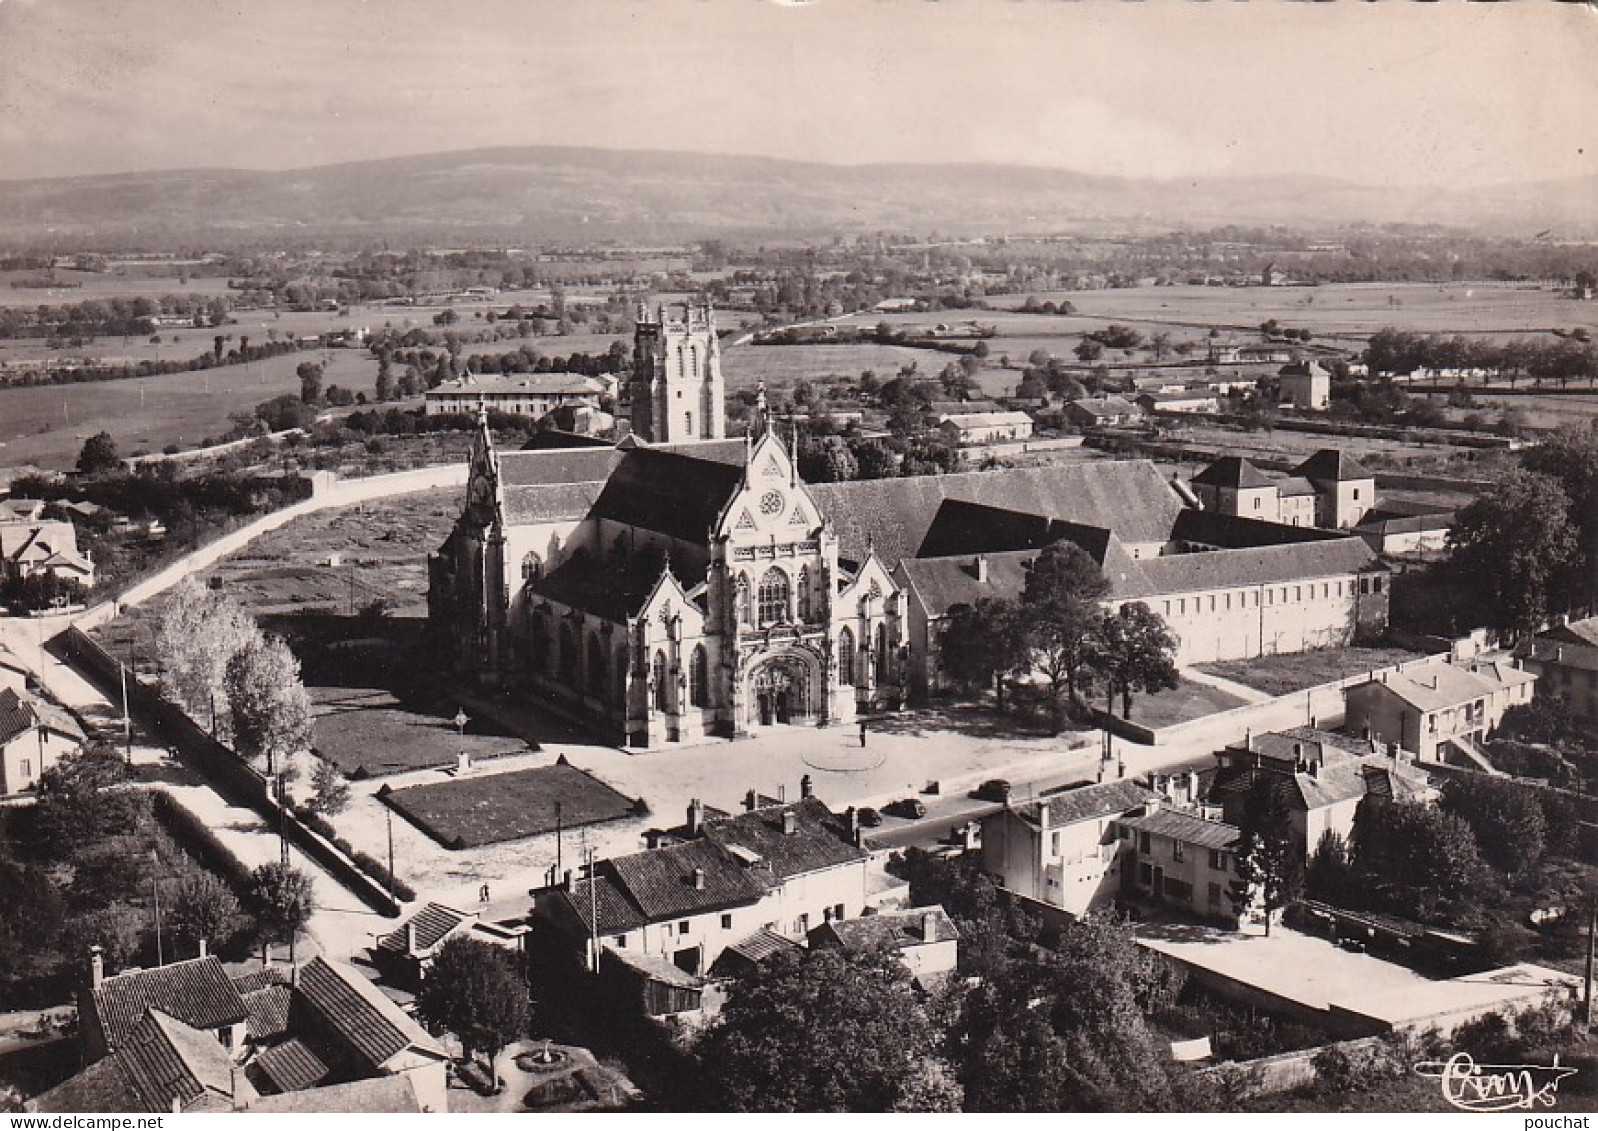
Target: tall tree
column 271, row 710
column 98, row 455
column 1417, row 860
column 199, row 633
column 980, row 644
column 823, row 1030
column 280, row 896
column 1504, row 817
column 1512, row 551
column 310, row 375
column 1270, row 857
column 475, row 990
column 1135, row 652
column 203, row 910
column 1570, row 457
column 330, row 792
column 1060, row 601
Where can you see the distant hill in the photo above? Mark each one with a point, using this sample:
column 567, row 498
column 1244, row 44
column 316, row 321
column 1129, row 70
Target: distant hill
column 586, row 195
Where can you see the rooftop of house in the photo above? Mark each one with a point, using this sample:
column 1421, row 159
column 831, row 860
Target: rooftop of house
column 895, row 930
column 985, row 419
column 1293, row 486
column 171, row 1063
column 1331, row 465
column 525, row 384
column 1186, row 828
column 381, row 1095
column 1583, row 633
column 1233, row 472
column 291, row 1066
column 1110, row 405
column 432, row 925
column 197, row 992
column 760, row 946
column 1086, row 804
column 268, row 1009
column 371, row 1026
column 1438, row 685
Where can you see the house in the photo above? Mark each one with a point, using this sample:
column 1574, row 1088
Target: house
column 380, row 1095
column 1305, row 385
column 35, row 546
column 711, row 884
column 976, row 429
column 406, row 954
column 1233, row 485
column 1439, row 709
column 1109, row 411
column 1565, row 660
column 534, row 395
column 1393, row 529
column 1324, row 777
column 1190, row 400
column 1062, row 850
column 1346, row 491
column 196, row 992
column 34, row 736
column 1180, row 859
column 925, row 939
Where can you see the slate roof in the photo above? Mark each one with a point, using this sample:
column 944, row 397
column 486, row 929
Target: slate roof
column 676, row 494
column 552, row 502
column 1184, row 827
column 268, row 1012
column 542, row 467
column 1331, row 465
column 612, row 590
column 1236, row 532
column 197, row 992
column 893, row 929
column 1265, row 565
column 893, row 516
column 374, row 1028
column 291, row 1066
column 433, row 924
column 382, row 1095
column 972, row 528
column 1088, row 803
column 1234, row 472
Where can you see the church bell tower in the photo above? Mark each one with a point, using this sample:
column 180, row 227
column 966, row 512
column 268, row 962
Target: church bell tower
column 678, row 395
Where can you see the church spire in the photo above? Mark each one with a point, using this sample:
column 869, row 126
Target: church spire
column 759, row 417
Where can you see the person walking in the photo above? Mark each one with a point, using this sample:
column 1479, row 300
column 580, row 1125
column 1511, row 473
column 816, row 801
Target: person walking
column 862, row 734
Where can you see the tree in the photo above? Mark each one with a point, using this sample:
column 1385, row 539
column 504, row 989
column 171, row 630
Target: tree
column 824, row 1030
column 98, row 455
column 271, row 710
column 199, row 634
column 331, row 791
column 1416, row 860
column 280, row 895
column 1570, row 457
column 203, row 910
column 1504, row 817
column 1270, row 859
column 1159, row 342
column 475, row 990
column 310, row 375
column 1060, row 601
column 981, row 644
column 1135, row 652
column 80, row 802
column 1512, row 551
column 30, row 917
column 1088, row 350
column 1328, row 876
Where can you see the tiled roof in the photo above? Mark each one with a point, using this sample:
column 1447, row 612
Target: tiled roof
column 1582, row 632
column 167, row 1060
column 984, row 419
column 1088, row 803
column 1184, row 827
column 101, row 1087
column 1378, row 523
column 257, row 979
column 381, row 1095
column 530, row 384
column 1233, row 471
column 1223, row 569
column 373, row 1028
column 1433, row 686
column 761, row 945
column 817, row 842
column 893, row 516
column 269, row 1012
column 675, row 494
column 1331, row 465
column 616, row 913
column 16, row 715
column 433, row 923
column 549, row 502
column 1294, row 486
column 662, row 884
column 197, row 992
column 1312, row 743
column 541, row 468
column 895, row 929
column 1104, row 406
column 291, row 1066
column 612, row 590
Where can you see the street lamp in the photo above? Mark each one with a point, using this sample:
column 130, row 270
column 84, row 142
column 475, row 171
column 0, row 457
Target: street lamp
column 460, row 720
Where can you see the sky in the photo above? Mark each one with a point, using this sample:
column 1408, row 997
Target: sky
column 1448, row 94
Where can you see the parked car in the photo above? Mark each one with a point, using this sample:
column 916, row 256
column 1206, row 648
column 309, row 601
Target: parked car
column 869, row 818
column 911, row 808
column 994, row 789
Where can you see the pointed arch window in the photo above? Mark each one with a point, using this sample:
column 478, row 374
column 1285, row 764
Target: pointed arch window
column 662, row 698
column 538, row 642
column 568, row 656
column 699, row 678
column 740, row 598
column 596, row 666
column 532, row 566
column 804, row 593
column 846, row 658
column 881, row 656
column 774, row 590
column 621, row 676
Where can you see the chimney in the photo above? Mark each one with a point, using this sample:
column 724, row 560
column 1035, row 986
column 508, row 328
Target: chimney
column 982, row 568
column 1192, row 786
column 929, row 926
column 751, row 802
column 1392, row 751
column 807, row 788
column 177, row 1105
column 96, row 966
column 782, row 793
column 202, row 948
column 1298, row 751
column 699, row 879
column 696, row 816
column 851, row 819
column 790, row 822
column 1314, row 769
column 410, row 937
column 566, row 880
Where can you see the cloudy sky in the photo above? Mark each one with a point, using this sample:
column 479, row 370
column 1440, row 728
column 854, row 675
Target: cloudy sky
column 1447, row 94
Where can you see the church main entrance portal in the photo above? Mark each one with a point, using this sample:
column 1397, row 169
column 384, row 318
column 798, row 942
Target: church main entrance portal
column 781, row 692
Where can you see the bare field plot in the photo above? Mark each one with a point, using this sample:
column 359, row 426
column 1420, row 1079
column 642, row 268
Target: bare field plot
column 780, row 366
column 95, row 285
column 1281, row 675
column 1188, row 702
column 482, row 808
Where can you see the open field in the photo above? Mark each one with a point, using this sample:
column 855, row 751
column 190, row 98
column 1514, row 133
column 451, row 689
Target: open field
column 1189, row 701
column 1282, row 675
column 780, row 366
column 97, row 286
column 1353, row 310
column 481, row 808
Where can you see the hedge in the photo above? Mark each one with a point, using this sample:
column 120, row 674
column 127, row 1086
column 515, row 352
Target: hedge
column 373, row 867
column 198, row 839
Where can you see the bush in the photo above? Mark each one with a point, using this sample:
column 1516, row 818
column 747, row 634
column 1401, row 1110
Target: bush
column 197, row 838
column 1354, row 1066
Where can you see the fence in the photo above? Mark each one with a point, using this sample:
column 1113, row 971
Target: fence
column 237, row 781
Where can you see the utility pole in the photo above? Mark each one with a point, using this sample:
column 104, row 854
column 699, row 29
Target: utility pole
column 155, row 890
column 593, row 902
column 389, row 814
column 1592, row 953
column 559, row 813
column 127, row 724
